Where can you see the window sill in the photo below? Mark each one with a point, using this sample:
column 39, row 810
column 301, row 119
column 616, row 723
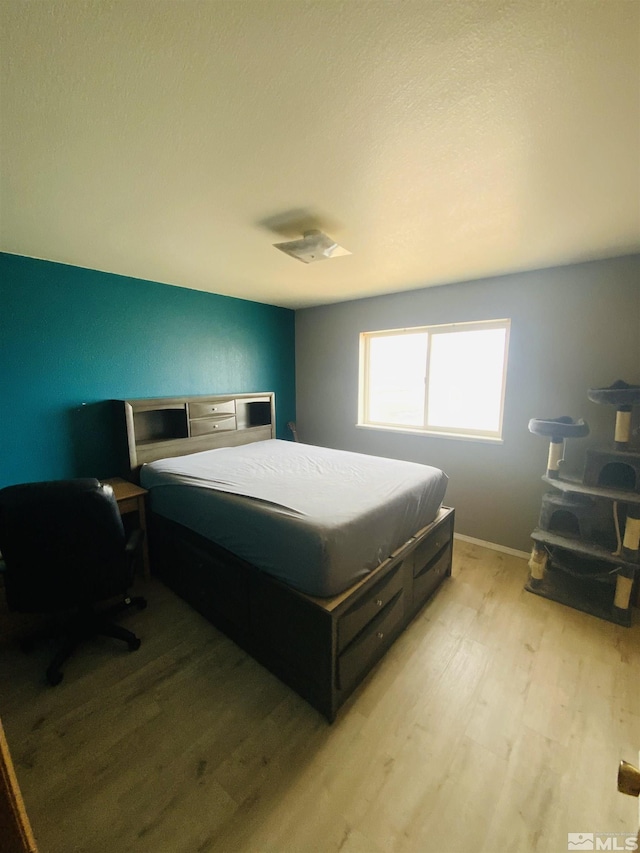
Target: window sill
column 483, row 439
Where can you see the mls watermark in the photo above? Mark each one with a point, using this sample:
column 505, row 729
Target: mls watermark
column 602, row 841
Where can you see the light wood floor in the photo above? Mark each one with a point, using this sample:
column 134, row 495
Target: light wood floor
column 495, row 723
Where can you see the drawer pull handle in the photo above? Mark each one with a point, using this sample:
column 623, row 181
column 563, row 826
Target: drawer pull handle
column 380, row 635
column 214, row 408
column 215, row 426
column 379, row 602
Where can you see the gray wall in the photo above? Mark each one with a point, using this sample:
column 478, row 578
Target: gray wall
column 571, row 328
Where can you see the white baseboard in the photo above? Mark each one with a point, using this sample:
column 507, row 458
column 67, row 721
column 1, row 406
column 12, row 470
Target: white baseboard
column 493, row 546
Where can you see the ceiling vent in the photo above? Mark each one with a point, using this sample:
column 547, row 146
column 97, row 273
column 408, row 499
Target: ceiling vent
column 314, row 246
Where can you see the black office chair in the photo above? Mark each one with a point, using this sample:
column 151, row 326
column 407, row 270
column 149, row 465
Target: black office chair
column 65, row 552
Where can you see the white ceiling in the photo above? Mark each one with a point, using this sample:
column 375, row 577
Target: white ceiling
column 437, row 140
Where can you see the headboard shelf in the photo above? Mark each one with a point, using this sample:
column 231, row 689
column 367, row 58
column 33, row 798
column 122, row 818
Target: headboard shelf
column 160, row 424
column 162, row 427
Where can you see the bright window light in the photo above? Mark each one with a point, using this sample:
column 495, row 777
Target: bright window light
column 396, row 378
column 444, row 379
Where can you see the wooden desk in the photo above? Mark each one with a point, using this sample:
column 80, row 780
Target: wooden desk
column 131, row 498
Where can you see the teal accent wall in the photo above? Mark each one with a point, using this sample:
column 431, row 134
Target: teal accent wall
column 72, row 339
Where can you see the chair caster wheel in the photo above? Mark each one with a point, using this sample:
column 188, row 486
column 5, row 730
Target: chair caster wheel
column 134, row 645
column 54, row 678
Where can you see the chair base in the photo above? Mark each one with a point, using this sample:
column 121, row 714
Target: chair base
column 85, row 625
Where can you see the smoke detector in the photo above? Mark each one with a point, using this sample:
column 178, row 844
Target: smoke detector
column 314, row 246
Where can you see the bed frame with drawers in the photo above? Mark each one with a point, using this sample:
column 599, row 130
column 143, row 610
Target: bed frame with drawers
column 321, row 647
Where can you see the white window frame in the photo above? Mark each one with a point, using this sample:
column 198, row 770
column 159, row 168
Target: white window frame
column 431, row 331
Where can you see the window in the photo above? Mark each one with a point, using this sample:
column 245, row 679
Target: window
column 437, row 379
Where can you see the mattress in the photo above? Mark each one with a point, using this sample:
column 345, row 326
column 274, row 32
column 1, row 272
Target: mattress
column 315, row 518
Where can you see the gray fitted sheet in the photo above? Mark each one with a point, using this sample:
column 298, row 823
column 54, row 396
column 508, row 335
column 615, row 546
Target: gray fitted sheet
column 317, row 519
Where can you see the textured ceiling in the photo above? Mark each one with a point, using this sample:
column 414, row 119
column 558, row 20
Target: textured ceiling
column 437, row 141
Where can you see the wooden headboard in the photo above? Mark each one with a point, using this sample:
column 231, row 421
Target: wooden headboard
column 160, row 427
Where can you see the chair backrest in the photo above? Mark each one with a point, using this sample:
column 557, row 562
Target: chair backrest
column 63, row 544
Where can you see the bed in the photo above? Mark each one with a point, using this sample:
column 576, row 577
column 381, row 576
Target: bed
column 313, row 560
